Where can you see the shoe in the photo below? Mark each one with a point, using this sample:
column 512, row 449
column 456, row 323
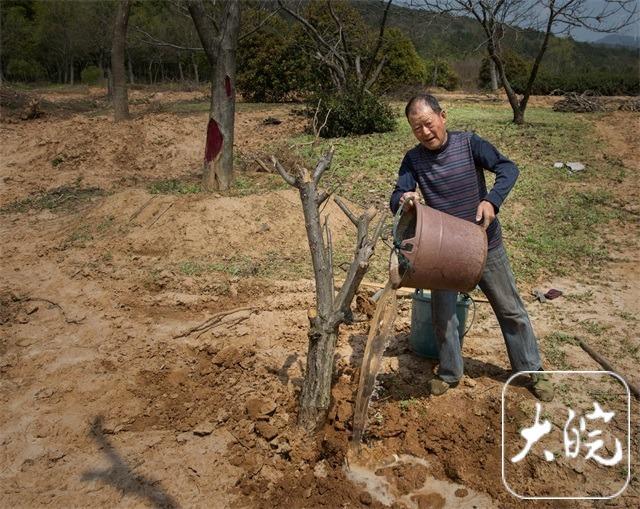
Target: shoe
column 437, row 386
column 542, row 387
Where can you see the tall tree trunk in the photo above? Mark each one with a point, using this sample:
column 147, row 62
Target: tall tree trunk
column 494, row 76
column 130, row 65
column 221, row 53
column 71, row 72
column 196, row 76
column 120, row 98
column 109, row 83
column 180, row 71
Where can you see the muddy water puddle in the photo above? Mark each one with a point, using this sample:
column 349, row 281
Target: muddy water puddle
column 378, row 480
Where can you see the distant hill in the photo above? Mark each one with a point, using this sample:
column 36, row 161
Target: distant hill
column 459, row 40
column 619, row 40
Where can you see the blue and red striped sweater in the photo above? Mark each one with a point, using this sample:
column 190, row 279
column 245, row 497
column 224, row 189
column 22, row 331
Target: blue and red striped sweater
column 451, row 178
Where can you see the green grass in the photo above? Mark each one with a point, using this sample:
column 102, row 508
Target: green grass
column 272, row 265
column 551, row 218
column 65, row 198
column 552, row 346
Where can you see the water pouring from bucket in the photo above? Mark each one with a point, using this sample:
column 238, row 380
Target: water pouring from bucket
column 432, row 250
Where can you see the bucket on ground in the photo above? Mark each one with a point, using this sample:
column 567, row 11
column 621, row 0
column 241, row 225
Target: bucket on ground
column 422, row 338
column 437, row 251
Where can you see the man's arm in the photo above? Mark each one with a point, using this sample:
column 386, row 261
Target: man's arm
column 405, row 184
column 486, row 156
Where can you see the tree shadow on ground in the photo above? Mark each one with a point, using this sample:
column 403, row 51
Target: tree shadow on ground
column 122, row 477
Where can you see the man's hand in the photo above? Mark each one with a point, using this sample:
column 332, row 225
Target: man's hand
column 408, row 200
column 485, row 214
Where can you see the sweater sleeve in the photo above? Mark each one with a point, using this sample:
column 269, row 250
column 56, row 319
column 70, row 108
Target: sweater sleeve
column 486, row 156
column 405, row 183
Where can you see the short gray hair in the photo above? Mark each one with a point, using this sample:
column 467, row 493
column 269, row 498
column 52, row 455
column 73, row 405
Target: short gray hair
column 426, row 99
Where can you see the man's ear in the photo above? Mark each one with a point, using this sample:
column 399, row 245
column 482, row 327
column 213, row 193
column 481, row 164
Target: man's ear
column 443, row 114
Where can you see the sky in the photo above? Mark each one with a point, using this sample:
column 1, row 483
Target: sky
column 580, row 34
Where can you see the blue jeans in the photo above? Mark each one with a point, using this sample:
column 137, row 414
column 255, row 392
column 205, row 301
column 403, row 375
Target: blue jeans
column 499, row 285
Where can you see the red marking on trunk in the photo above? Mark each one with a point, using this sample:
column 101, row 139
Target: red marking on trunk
column 227, row 85
column 214, row 141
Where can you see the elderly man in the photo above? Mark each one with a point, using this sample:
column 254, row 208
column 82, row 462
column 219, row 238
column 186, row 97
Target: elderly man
column 448, row 169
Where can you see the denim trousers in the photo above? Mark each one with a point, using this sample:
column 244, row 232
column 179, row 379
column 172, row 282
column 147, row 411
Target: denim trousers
column 499, row 286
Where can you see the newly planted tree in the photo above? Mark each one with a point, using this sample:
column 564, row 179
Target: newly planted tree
column 332, row 307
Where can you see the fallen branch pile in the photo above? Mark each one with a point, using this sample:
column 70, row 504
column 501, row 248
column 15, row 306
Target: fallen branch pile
column 579, row 103
column 632, row 104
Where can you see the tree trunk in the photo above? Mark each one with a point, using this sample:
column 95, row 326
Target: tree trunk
column 518, row 115
column 180, row 72
column 109, row 83
column 71, row 72
column 315, row 397
column 120, row 98
column 130, row 65
column 196, row 76
column 494, row 76
column 221, row 53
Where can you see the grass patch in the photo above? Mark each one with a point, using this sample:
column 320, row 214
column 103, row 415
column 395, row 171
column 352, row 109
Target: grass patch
column 551, row 218
column 272, row 265
column 552, row 346
column 595, row 328
column 65, row 198
column 174, row 186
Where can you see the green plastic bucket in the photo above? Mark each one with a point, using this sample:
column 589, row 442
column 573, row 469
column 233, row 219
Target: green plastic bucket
column 422, row 338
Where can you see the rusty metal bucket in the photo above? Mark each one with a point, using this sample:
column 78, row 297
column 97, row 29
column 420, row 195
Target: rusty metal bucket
column 436, row 251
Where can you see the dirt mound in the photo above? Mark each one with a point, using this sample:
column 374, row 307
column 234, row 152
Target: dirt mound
column 152, row 346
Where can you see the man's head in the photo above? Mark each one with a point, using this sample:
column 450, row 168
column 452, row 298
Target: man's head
column 427, row 120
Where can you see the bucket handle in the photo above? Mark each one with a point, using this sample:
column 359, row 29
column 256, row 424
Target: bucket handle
column 420, row 292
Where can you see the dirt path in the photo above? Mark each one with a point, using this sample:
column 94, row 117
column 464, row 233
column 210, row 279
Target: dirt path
column 105, row 407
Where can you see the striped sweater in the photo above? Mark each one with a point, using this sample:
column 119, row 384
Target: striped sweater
column 451, row 178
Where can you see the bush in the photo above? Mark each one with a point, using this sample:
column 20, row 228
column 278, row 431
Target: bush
column 440, row 74
column 91, row 75
column 403, row 64
column 271, row 65
column 353, row 113
column 23, row 70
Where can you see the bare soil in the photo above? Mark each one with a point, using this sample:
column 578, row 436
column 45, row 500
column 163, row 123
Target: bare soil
column 107, row 402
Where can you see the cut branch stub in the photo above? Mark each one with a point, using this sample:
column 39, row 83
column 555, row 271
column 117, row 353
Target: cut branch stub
column 323, row 165
column 345, row 209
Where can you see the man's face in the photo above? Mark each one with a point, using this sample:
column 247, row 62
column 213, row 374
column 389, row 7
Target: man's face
column 427, row 126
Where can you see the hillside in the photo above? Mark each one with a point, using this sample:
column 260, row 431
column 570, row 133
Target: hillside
column 460, row 38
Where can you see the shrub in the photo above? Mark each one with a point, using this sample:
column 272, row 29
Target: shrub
column 91, row 75
column 23, row 70
column 403, row 65
column 440, row 74
column 353, row 113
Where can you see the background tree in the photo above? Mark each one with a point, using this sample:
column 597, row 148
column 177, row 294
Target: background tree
column 218, row 28
column 120, row 98
column 341, row 44
column 272, row 63
column 551, row 16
